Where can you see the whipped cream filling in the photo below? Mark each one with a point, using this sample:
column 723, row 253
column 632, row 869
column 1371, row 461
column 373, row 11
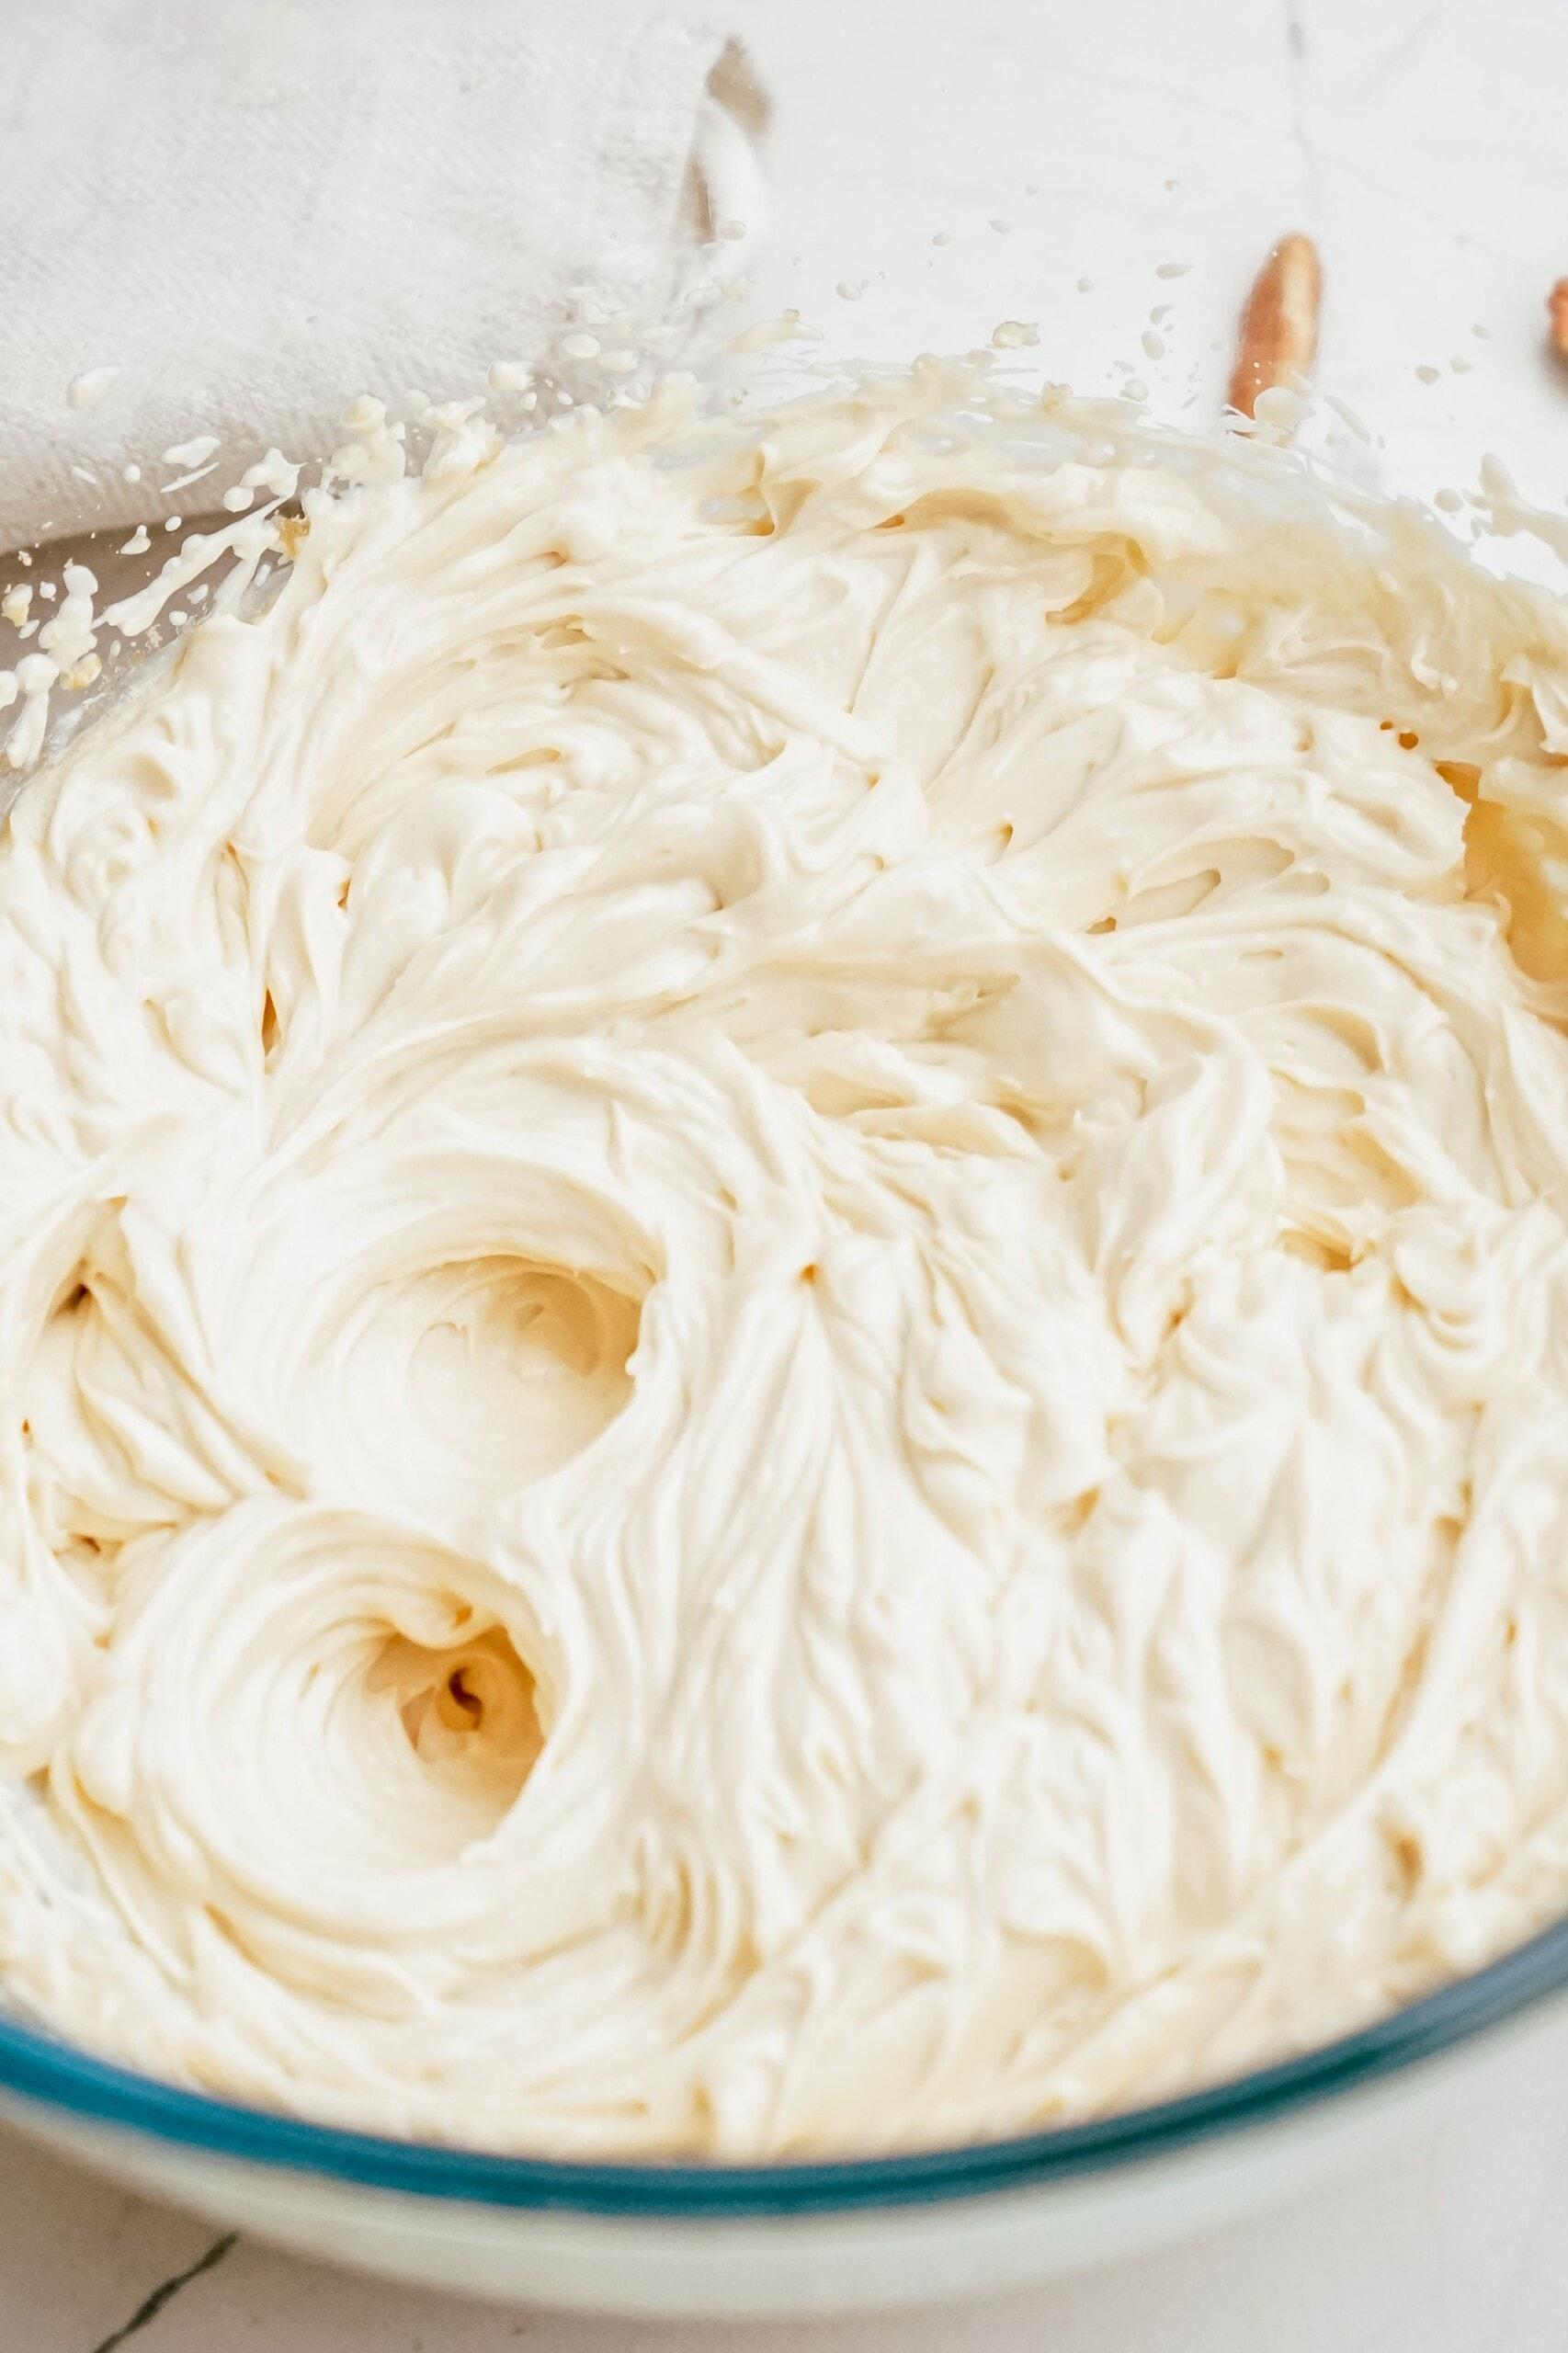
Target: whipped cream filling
column 783, row 1291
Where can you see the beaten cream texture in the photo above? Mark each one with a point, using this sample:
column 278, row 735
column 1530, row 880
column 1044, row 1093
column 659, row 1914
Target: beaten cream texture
column 784, row 1298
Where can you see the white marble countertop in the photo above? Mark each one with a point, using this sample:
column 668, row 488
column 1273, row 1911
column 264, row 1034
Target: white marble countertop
column 1421, row 144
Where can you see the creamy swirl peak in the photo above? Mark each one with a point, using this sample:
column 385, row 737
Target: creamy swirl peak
column 784, row 1306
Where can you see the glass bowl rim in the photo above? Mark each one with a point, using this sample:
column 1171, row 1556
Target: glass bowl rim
column 43, row 2072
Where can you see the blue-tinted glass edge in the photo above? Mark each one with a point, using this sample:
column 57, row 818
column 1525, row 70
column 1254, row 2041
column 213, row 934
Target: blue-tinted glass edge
column 37, row 2069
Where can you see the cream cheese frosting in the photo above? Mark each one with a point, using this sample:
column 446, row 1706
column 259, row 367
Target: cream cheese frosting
column 784, row 1294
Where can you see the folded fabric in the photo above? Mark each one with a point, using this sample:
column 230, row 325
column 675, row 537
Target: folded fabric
column 220, row 222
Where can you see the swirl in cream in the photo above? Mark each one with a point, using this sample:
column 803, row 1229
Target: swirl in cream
column 784, row 1309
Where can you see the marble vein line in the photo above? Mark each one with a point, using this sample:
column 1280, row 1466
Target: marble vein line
column 152, row 2305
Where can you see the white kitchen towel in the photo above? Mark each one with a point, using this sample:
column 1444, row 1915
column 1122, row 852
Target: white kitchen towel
column 252, row 210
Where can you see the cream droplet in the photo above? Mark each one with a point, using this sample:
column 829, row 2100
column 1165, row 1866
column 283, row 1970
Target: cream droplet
column 87, row 389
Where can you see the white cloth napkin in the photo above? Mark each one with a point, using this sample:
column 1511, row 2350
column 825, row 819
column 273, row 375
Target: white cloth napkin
column 251, row 210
